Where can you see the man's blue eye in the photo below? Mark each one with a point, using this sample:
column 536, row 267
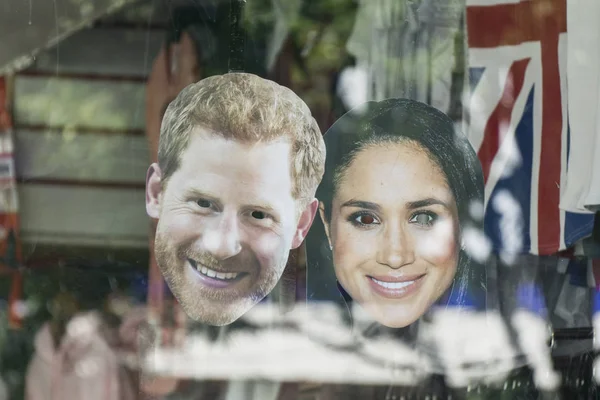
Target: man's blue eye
column 259, row 215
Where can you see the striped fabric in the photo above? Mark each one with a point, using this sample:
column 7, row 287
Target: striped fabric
column 516, row 119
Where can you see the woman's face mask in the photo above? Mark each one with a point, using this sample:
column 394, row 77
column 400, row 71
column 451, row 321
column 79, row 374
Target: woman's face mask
column 394, row 232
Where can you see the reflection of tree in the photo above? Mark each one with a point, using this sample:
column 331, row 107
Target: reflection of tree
column 415, row 52
column 61, row 103
column 67, row 106
column 315, row 44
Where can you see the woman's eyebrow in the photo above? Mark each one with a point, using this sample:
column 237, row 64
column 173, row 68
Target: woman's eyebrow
column 426, row 202
column 362, row 204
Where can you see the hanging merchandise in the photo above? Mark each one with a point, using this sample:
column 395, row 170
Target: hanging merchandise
column 582, row 190
column 197, row 46
column 516, row 118
column 10, row 246
column 406, row 49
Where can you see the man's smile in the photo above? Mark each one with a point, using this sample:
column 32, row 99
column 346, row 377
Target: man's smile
column 215, row 278
column 211, row 273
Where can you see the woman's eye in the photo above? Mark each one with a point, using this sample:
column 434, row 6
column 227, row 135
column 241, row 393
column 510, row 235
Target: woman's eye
column 365, row 219
column 424, row 219
column 204, row 203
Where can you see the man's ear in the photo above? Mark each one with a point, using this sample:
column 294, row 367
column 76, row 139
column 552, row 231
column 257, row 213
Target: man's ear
column 153, row 191
column 305, row 222
column 325, row 222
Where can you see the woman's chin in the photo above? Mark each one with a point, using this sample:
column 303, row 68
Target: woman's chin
column 394, row 319
column 397, row 324
column 394, row 316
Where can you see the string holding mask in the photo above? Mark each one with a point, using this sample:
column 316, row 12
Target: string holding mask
column 237, row 37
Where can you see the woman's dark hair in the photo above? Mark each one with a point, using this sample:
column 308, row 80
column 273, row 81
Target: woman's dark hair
column 397, row 121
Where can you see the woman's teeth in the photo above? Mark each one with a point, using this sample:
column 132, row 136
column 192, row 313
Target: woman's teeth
column 393, row 285
column 214, row 274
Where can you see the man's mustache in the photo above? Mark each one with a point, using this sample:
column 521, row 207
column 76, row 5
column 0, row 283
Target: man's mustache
column 204, row 258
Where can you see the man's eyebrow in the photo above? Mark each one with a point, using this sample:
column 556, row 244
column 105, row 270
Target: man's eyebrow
column 197, row 191
column 362, row 204
column 192, row 191
column 261, row 206
column 430, row 201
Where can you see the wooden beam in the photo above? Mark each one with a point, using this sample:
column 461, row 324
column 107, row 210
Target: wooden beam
column 85, row 77
column 83, row 183
column 79, row 130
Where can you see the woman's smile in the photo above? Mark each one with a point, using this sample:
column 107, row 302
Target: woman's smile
column 396, row 288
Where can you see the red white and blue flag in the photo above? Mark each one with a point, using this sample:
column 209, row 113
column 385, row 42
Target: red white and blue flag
column 516, row 119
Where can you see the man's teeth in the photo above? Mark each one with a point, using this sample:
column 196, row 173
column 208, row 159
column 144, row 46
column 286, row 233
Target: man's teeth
column 219, row 275
column 393, row 285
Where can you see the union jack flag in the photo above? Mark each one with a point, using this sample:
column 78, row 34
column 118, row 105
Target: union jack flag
column 517, row 120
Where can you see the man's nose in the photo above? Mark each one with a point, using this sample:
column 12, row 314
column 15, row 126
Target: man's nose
column 395, row 247
column 222, row 240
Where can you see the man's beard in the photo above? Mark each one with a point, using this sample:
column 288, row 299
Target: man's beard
column 234, row 303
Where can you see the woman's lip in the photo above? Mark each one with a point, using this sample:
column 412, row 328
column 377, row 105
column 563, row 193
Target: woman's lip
column 396, row 279
column 399, row 292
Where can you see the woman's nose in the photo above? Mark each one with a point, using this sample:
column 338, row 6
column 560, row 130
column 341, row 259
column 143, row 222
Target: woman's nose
column 395, row 247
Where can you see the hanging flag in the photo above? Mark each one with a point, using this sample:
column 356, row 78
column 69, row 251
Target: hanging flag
column 516, row 119
column 10, row 246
